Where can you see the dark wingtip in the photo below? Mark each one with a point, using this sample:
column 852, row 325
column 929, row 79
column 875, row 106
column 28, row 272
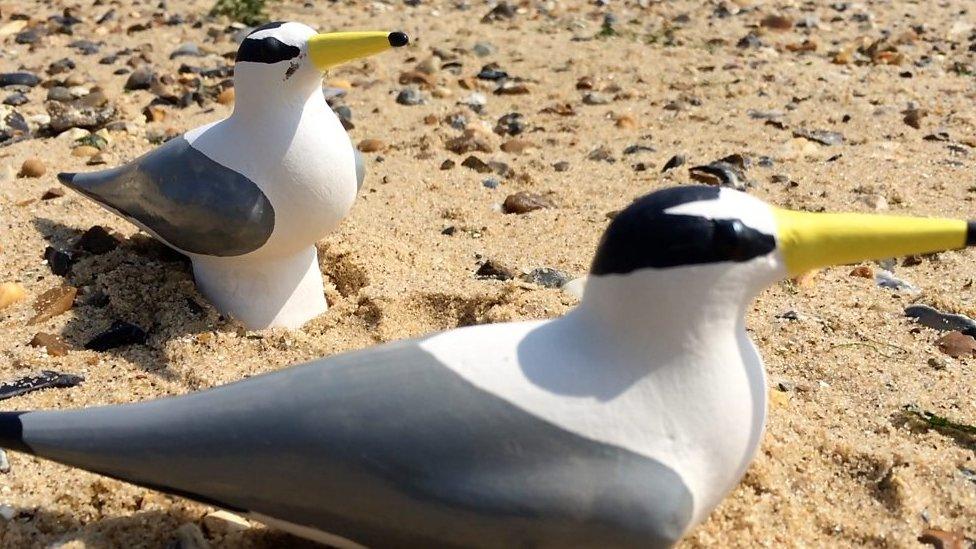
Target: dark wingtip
column 971, row 233
column 398, row 39
column 66, row 177
column 12, row 432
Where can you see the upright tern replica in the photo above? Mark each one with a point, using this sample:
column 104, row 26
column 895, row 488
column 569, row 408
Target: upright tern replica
column 623, row 423
column 247, row 197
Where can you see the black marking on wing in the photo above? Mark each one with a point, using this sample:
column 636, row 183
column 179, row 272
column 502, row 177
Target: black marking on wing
column 265, row 50
column 643, row 236
column 190, row 201
column 387, row 448
column 12, row 432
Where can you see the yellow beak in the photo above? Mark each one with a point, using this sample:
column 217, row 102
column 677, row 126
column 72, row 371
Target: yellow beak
column 334, row 48
column 814, row 240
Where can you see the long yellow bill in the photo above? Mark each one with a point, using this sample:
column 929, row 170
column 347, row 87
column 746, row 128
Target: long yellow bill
column 813, row 240
column 334, row 48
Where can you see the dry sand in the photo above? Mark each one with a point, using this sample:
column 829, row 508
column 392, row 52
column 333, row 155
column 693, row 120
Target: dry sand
column 838, row 466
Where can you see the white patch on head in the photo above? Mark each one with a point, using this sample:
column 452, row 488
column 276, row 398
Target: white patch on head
column 731, row 204
column 293, row 34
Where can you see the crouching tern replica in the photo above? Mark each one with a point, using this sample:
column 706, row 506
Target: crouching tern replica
column 623, row 423
column 247, row 197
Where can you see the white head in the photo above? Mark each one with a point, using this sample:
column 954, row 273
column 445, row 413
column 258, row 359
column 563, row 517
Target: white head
column 690, row 253
column 282, row 59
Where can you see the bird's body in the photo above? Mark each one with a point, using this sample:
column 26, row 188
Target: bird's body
column 622, row 424
column 247, row 197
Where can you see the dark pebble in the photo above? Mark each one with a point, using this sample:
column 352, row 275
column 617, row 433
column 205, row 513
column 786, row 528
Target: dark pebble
column 47, row 380
column 85, row 47
column 140, row 79
column 60, row 94
column 29, row 36
column 494, row 270
column 523, row 202
column 492, row 73
column 19, row 79
column 561, row 166
column 673, row 162
column 59, row 261
column 510, row 124
column 447, row 164
column 409, row 97
column 823, row 137
column 120, row 334
column 547, row 277
column 634, row 149
column 61, row 66
column 491, row 183
column 476, row 164
column 97, row 241
column 15, row 99
column 936, row 319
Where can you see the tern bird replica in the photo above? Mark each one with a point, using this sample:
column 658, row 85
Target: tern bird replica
column 620, row 424
column 247, row 197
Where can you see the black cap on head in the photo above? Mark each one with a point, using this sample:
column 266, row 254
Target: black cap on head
column 398, row 39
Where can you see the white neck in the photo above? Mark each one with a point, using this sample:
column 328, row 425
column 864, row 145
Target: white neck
column 263, row 95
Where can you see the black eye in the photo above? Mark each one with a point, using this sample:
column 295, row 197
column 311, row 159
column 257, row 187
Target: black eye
column 265, row 50
column 732, row 240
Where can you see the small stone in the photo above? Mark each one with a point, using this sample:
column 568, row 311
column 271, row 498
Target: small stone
column 97, row 241
column 19, row 79
column 512, row 88
column 476, row 164
column 933, row 318
column 59, row 261
column 226, row 96
column 470, row 141
column 863, row 271
column 823, row 137
column 186, row 49
column 32, row 167
column 595, row 98
column 525, row 202
column 15, row 99
column 10, row 293
column 53, row 303
column 913, row 118
column 876, row 202
column 938, row 363
column 61, row 66
column 494, row 270
column 516, row 146
column 371, row 145
column 221, row 523
column 510, row 124
column 776, row 22
column 601, row 154
column 447, row 164
column 140, row 79
column 942, row 539
column 483, row 49
column 59, row 93
column 66, row 116
column 54, row 345
column 97, row 160
column 957, row 344
column 7, row 512
column 547, row 277
column 561, row 166
column 84, row 151
column 625, row 122
column 52, row 193
column 410, row 97
column 154, row 113
column 46, row 380
column 4, row 463
column 118, row 335
column 673, row 162
column 490, row 183
column 491, row 72
column 719, row 174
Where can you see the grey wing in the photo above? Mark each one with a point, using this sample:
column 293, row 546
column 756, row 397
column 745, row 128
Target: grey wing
column 386, row 447
column 192, row 202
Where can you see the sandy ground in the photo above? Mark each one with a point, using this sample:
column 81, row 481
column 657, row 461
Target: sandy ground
column 839, row 464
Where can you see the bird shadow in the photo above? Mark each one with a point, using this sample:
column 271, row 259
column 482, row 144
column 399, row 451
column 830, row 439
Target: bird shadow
column 139, row 281
column 40, row 527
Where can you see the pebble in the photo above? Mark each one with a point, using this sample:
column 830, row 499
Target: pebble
column 719, row 174
column 823, row 137
column 511, row 88
column 59, row 261
column 226, row 96
column 561, row 166
column 638, row 148
column 15, row 99
column 62, row 65
column 4, row 462
column 476, row 101
column 371, row 145
column 7, row 512
column 32, row 167
column 516, row 146
column 886, row 279
column 957, row 344
column 53, row 303
column 28, row 79
column 10, row 293
column 547, row 277
column 410, row 97
column 494, row 270
column 863, row 271
column 221, row 523
column 595, row 98
column 491, row 72
column 675, row 161
column 483, row 49
column 54, row 345
column 84, row 151
column 59, row 93
column 46, row 380
column 65, row 116
column 448, row 164
column 470, row 141
column 942, row 539
column 601, row 154
column 524, row 202
column 776, row 23
column 510, row 124
column 140, row 79
column 186, row 49
column 52, row 193
column 476, row 164
column 913, row 118
column 97, row 240
column 931, row 317
column 626, row 122
column 491, row 183
column 121, row 333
